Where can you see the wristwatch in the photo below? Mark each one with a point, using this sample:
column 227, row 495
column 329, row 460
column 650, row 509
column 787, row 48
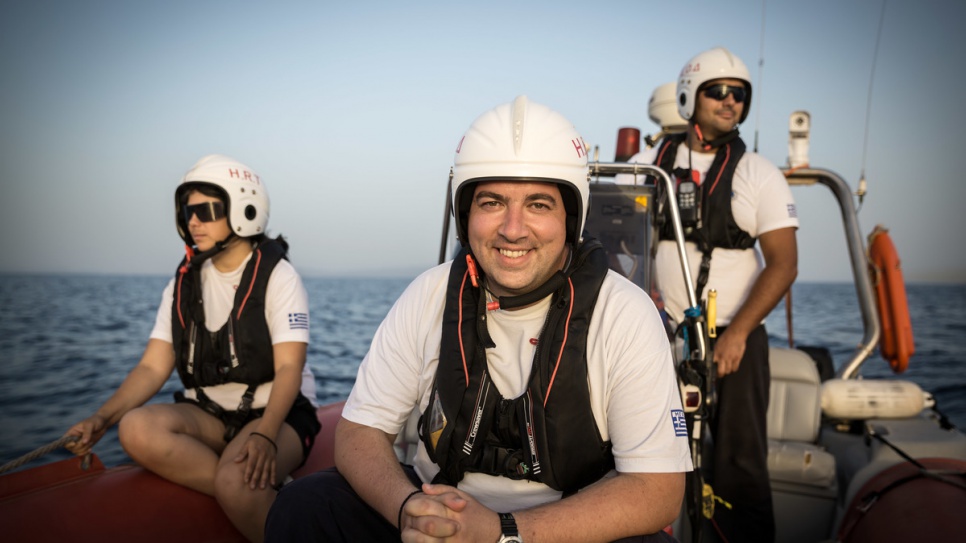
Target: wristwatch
column 509, row 527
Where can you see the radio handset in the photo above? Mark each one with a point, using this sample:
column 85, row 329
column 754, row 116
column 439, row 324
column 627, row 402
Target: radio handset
column 689, row 203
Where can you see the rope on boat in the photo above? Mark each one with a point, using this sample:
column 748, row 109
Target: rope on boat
column 37, row 453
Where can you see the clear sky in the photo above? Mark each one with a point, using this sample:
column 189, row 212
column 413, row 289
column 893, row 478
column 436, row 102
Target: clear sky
column 351, row 111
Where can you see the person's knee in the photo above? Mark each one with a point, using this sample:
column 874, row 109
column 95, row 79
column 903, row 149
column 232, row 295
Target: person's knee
column 324, row 507
column 231, row 491
column 308, row 498
column 136, row 431
column 301, row 492
column 294, row 511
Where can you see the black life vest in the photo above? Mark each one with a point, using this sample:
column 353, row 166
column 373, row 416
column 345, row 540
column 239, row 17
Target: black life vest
column 718, row 227
column 241, row 351
column 549, row 433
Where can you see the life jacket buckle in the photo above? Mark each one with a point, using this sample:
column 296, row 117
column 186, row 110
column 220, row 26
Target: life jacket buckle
column 512, row 463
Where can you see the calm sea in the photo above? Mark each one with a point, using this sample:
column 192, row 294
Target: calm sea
column 66, row 342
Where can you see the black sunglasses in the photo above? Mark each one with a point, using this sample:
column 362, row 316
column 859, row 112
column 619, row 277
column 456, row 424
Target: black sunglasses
column 721, row 91
column 205, row 211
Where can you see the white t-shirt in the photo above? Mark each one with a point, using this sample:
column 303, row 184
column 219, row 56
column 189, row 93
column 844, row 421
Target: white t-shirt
column 286, row 312
column 761, row 202
column 633, row 385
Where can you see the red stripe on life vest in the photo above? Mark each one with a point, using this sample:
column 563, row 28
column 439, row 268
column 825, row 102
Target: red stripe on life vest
column 563, row 346
column 178, row 304
column 723, row 166
column 251, row 285
column 459, row 327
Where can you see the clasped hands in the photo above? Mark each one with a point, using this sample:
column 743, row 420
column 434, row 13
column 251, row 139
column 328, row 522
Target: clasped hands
column 445, row 513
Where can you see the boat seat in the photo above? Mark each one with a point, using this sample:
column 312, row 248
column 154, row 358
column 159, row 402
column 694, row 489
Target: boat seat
column 795, row 409
column 802, row 473
column 794, row 419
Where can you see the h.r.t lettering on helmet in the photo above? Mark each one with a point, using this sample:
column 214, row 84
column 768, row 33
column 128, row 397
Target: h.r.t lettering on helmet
column 245, row 174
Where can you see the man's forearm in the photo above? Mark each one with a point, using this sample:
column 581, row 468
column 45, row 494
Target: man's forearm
column 366, row 458
column 765, row 294
column 622, row 506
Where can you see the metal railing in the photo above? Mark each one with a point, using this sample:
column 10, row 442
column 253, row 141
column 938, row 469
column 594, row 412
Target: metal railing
column 853, row 237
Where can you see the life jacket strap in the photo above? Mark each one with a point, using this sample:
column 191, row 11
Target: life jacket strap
column 703, row 272
column 238, row 418
column 203, row 401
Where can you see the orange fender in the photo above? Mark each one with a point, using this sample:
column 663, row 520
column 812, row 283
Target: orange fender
column 896, row 345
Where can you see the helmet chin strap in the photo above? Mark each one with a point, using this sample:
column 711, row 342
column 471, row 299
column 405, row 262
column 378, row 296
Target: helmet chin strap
column 708, row 145
column 717, row 142
column 196, row 259
column 556, row 281
column 551, row 285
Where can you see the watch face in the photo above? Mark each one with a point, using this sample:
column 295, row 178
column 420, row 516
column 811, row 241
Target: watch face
column 510, row 539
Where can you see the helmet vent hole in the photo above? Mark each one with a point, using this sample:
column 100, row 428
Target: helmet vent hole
column 250, row 212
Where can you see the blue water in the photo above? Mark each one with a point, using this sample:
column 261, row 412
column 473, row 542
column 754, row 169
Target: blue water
column 66, row 342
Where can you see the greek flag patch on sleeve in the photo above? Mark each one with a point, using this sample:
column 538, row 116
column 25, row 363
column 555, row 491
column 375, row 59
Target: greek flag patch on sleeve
column 298, row 321
column 680, row 425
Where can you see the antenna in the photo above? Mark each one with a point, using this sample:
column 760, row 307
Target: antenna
column 761, row 68
column 868, row 107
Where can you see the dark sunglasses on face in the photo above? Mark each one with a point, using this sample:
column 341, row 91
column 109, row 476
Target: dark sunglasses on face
column 721, row 91
column 205, row 211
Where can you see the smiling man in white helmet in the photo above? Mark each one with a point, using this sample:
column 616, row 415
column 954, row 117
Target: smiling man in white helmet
column 548, row 403
column 234, row 323
column 739, row 198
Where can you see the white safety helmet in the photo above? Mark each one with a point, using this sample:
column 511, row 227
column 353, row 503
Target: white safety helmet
column 663, row 108
column 522, row 141
column 717, row 63
column 241, row 188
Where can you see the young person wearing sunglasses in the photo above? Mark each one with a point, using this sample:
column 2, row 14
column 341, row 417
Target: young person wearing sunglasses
column 738, row 206
column 234, row 324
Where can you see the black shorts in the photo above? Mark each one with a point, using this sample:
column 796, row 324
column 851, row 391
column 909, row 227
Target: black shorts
column 301, row 418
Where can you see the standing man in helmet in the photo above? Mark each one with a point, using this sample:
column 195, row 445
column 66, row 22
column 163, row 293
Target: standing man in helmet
column 234, row 323
column 537, row 374
column 741, row 199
